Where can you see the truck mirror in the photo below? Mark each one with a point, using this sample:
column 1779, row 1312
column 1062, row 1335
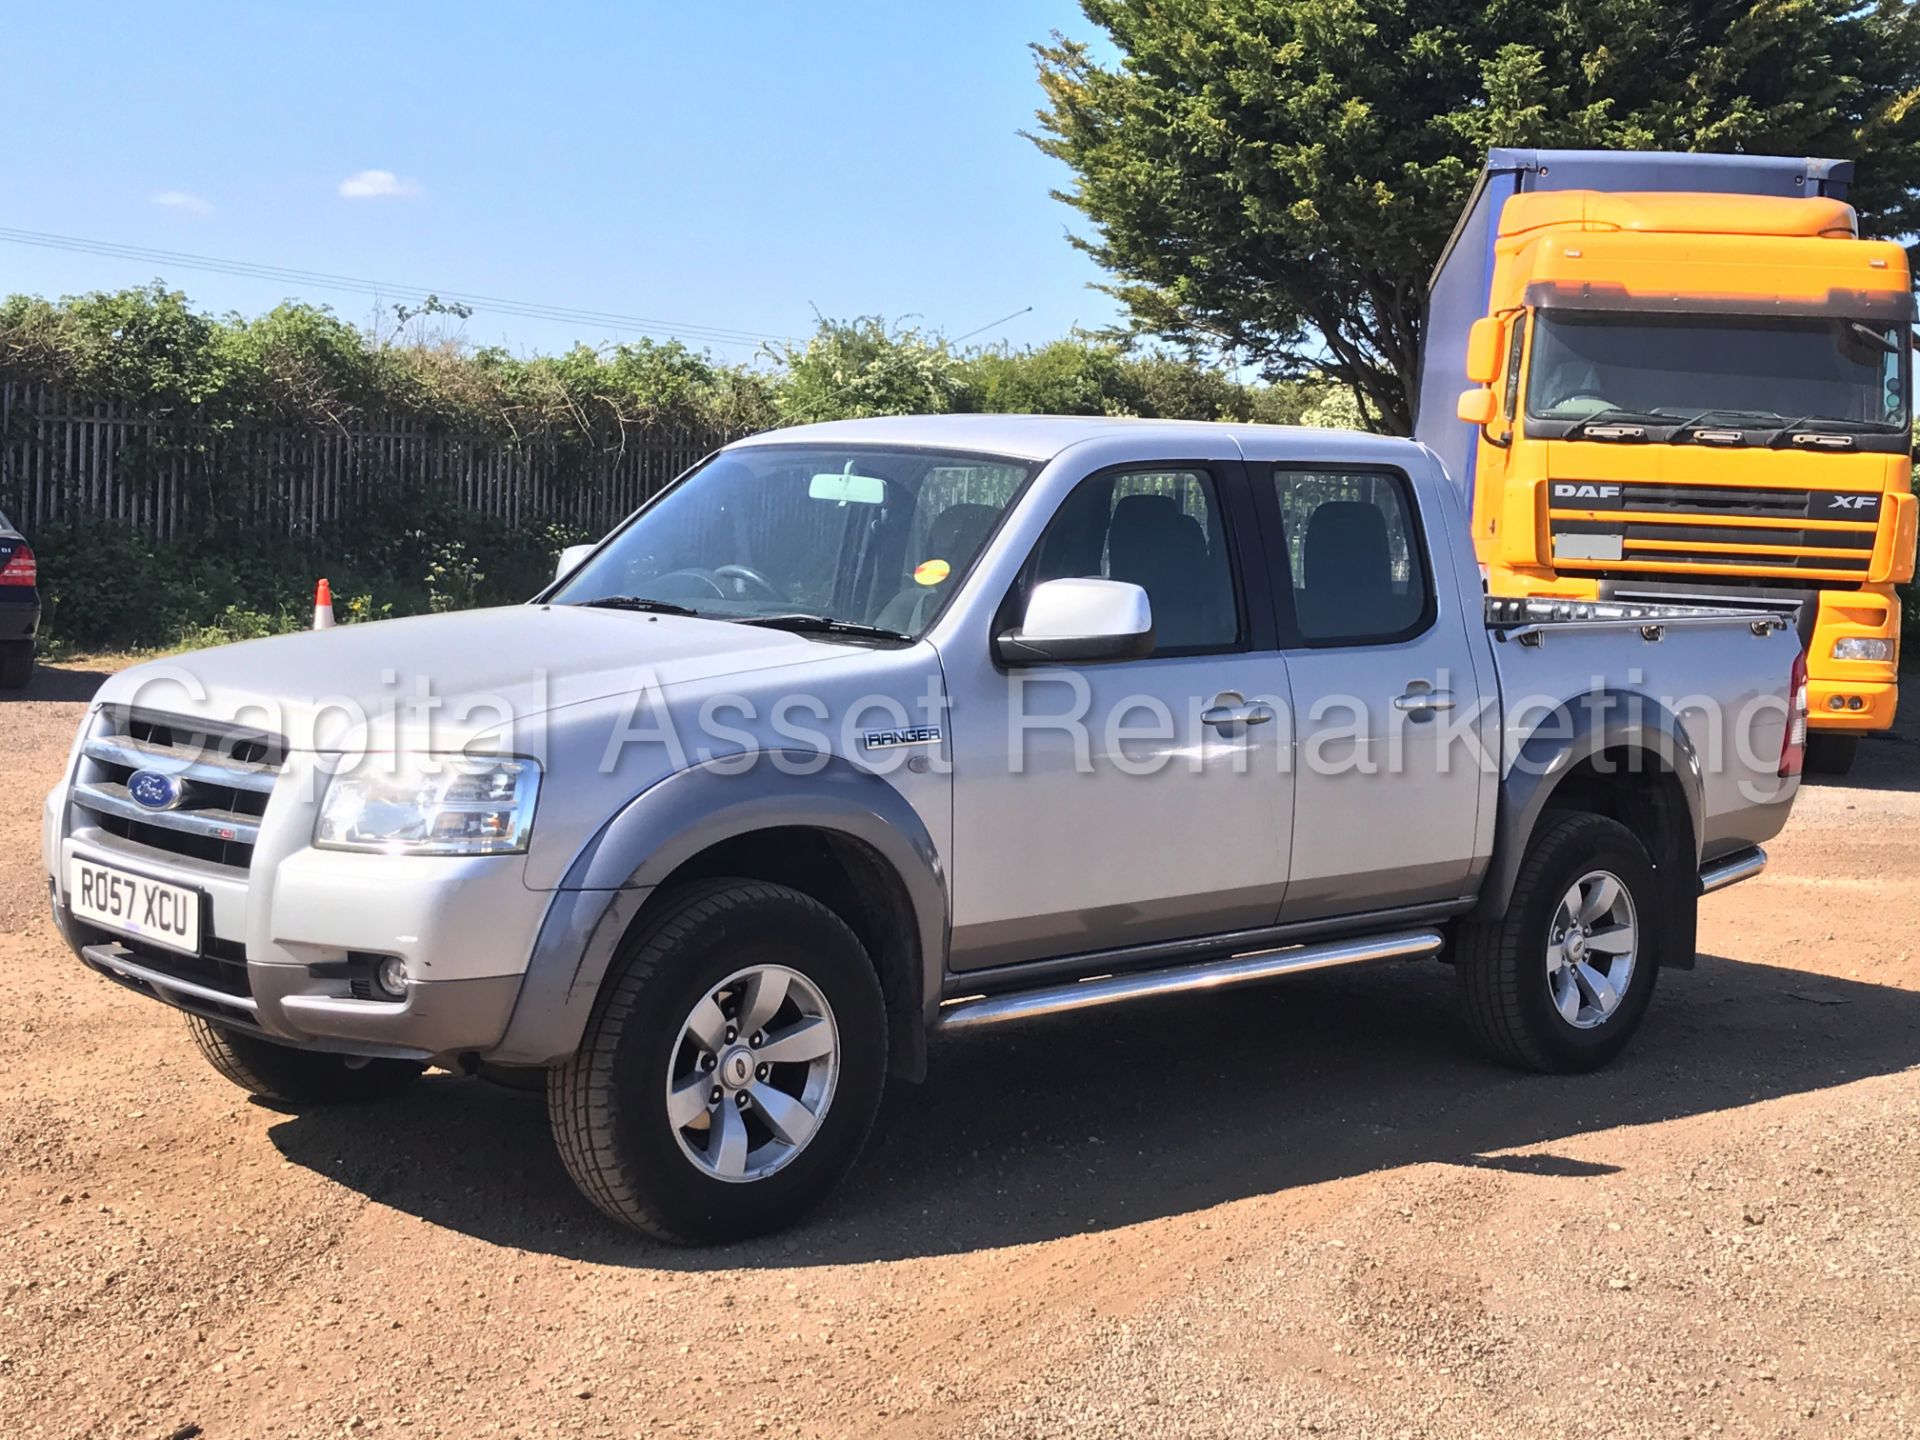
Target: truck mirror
column 1477, row 407
column 1483, row 351
column 1081, row 621
column 571, row 559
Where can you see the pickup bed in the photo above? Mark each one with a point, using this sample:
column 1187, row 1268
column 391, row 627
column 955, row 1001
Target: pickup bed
column 864, row 733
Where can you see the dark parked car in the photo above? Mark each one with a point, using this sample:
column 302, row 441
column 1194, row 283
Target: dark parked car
column 19, row 607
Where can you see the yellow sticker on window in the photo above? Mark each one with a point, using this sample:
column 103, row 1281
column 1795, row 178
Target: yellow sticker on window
column 931, row 572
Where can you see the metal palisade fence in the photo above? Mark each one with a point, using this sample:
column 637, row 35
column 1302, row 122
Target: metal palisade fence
column 63, row 460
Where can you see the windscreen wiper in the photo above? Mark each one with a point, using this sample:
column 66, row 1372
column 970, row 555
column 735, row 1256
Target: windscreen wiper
column 1839, row 431
column 1621, row 412
column 1687, row 426
column 633, row 602
column 1619, row 415
column 821, row 625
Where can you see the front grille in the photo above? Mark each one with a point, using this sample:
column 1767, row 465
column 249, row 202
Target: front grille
column 1625, row 527
column 1722, row 534
column 223, row 776
column 1722, row 560
column 1716, row 499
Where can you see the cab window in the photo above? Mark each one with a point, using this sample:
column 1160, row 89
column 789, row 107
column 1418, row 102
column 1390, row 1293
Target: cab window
column 1353, row 555
column 1160, row 529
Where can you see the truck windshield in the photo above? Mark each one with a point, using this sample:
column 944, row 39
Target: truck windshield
column 1743, row 371
column 869, row 537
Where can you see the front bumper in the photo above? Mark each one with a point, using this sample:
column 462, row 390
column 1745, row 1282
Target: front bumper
column 438, row 1019
column 292, row 935
column 1853, row 696
column 1878, row 701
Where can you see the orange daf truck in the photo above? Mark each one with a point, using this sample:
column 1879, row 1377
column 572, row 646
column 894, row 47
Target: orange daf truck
column 1666, row 377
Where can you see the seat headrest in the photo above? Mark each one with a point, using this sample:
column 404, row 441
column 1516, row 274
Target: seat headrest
column 1347, row 548
column 958, row 531
column 1144, row 525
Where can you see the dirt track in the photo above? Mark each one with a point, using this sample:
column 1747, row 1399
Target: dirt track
column 1308, row 1209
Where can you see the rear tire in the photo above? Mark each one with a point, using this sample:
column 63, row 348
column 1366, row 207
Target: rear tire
column 1831, row 754
column 298, row 1077
column 680, row 1020
column 16, row 665
column 1539, row 983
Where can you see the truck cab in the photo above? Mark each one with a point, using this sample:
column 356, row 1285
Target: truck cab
column 1678, row 394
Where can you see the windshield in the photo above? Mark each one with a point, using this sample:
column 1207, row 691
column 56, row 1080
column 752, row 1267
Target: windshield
column 870, row 536
column 1768, row 369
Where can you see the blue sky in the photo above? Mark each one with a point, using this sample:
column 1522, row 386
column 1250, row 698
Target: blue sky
column 734, row 164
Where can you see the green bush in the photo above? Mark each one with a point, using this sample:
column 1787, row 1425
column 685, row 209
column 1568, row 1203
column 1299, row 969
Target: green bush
column 213, row 379
column 108, row 587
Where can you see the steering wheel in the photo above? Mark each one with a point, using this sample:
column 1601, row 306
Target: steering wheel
column 752, row 577
column 695, row 577
column 1600, row 402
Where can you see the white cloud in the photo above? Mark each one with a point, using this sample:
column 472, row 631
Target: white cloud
column 378, row 185
column 183, row 201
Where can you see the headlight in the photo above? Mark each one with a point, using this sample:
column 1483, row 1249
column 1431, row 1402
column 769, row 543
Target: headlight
column 1862, row 648
column 430, row 805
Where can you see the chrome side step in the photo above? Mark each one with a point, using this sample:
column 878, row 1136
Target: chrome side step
column 969, row 1014
column 1732, row 869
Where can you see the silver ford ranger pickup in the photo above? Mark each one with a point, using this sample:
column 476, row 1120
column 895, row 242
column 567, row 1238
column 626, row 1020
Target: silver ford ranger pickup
column 863, row 733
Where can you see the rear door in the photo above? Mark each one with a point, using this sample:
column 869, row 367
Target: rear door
column 1387, row 740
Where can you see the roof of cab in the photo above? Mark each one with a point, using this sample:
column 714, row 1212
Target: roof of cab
column 1041, row 437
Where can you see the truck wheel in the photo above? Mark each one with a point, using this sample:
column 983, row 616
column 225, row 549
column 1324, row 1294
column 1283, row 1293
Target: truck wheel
column 1830, row 754
column 298, row 1077
column 731, row 1068
column 1560, row 982
column 16, row 665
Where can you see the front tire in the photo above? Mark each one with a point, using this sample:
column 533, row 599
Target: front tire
column 298, row 1077
column 1561, row 981
column 16, row 665
column 731, row 1068
column 1831, row 754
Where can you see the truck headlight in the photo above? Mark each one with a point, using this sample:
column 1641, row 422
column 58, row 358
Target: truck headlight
column 1861, row 647
column 430, row 805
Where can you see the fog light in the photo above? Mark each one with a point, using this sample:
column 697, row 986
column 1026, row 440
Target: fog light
column 392, row 976
column 1836, row 702
column 1854, row 702
column 1863, row 647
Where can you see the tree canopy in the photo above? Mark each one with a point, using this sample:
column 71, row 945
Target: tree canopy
column 1272, row 181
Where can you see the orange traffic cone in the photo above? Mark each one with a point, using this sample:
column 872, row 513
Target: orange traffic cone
column 323, row 606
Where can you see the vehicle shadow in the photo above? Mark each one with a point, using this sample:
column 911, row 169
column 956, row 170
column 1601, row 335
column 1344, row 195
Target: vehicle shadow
column 1890, row 761
column 1107, row 1120
column 58, row 682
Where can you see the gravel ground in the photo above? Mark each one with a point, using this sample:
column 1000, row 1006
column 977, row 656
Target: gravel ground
column 1304, row 1210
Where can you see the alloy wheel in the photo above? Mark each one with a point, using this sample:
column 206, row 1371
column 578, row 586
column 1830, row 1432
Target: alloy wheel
column 753, row 1073
column 1591, row 950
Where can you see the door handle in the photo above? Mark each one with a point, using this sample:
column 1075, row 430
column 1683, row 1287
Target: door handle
column 1423, row 702
column 1244, row 714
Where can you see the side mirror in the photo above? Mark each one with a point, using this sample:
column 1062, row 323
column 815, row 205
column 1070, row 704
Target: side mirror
column 1477, row 407
column 1082, row 621
column 1483, row 351
column 571, row 559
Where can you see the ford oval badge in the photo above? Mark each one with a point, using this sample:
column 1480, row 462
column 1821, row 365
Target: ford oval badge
column 155, row 790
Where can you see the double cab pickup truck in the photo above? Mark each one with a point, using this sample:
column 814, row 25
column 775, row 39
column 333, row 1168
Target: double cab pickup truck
column 864, row 733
